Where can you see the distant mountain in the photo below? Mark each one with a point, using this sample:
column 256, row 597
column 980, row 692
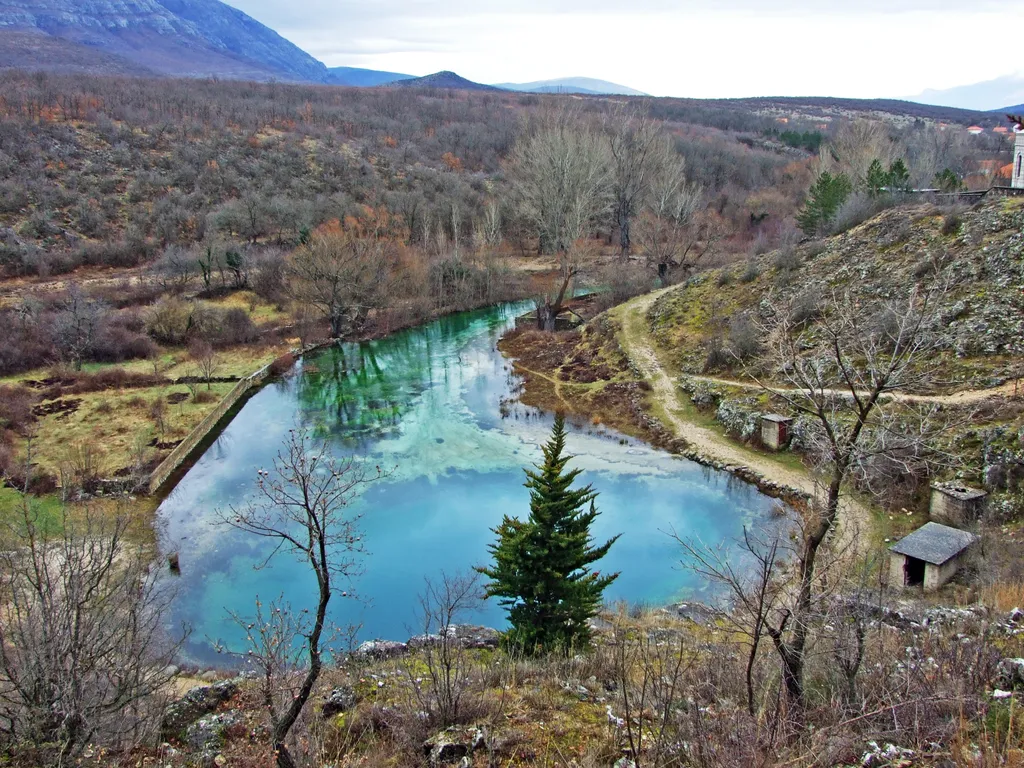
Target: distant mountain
column 583, row 85
column 987, row 96
column 185, row 38
column 448, row 80
column 364, row 78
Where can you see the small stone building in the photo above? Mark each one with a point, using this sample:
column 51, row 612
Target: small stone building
column 956, row 505
column 776, row 431
column 929, row 557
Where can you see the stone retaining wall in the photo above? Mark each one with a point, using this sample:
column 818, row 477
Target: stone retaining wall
column 185, row 448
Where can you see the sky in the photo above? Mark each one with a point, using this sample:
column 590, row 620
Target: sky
column 698, row 48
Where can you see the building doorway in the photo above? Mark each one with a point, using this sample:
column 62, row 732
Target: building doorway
column 913, row 572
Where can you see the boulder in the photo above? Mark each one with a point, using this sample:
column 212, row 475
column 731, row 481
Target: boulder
column 381, row 649
column 207, row 736
column 455, row 743
column 337, row 701
column 1010, row 674
column 472, row 636
column 198, row 702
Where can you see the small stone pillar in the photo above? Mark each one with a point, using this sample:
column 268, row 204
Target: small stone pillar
column 956, row 505
column 776, row 431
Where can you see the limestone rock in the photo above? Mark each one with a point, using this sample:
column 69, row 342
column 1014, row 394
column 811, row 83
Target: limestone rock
column 455, row 743
column 339, row 700
column 1010, row 674
column 207, row 735
column 198, row 702
column 381, row 649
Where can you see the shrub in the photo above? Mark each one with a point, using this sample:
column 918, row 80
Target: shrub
column 16, row 409
column 751, row 273
column 805, row 307
column 168, row 320
column 717, row 356
column 787, row 260
column 951, row 224
column 744, row 337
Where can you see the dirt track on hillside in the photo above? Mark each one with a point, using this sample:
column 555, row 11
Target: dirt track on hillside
column 636, row 343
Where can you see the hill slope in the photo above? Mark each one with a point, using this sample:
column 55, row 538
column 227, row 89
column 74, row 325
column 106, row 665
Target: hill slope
column 187, row 38
column 364, row 78
column 446, row 80
column 978, row 254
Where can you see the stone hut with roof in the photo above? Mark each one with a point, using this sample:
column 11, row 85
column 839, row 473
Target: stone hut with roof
column 929, row 557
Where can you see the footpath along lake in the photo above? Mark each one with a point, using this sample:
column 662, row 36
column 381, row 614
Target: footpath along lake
column 436, row 403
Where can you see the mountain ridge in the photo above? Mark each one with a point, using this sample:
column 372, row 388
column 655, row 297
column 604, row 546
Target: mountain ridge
column 186, row 38
column 575, row 84
column 986, row 96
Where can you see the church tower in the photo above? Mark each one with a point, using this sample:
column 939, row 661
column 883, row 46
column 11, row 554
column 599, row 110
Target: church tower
column 1018, row 159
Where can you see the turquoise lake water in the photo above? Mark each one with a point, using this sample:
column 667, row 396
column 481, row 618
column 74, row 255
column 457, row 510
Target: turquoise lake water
column 435, row 403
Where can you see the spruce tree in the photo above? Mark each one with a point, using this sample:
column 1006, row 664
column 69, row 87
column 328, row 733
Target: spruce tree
column 826, row 197
column 540, row 567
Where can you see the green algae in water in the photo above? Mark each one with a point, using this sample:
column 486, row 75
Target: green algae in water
column 426, row 403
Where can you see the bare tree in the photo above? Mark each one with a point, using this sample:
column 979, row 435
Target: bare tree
column 856, row 144
column 841, row 379
column 650, row 674
column 666, row 237
column 442, row 604
column 303, row 507
column 76, row 326
column 83, row 652
column 754, row 587
column 205, row 358
column 561, row 178
column 343, row 274
column 647, row 173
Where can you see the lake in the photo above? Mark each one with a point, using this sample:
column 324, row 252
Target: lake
column 436, row 403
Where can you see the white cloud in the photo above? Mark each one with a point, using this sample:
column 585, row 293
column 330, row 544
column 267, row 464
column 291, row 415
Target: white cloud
column 700, row 48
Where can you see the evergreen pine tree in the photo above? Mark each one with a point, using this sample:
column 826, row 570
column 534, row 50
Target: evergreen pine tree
column 540, row 567
column 899, row 177
column 877, row 179
column 826, row 197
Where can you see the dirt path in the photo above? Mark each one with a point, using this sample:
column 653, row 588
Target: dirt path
column 636, row 343
column 968, row 397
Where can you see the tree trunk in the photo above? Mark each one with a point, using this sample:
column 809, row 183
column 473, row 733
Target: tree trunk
column 285, row 723
column 546, row 316
column 623, row 220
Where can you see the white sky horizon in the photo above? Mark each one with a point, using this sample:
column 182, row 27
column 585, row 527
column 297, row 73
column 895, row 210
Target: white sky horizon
column 687, row 48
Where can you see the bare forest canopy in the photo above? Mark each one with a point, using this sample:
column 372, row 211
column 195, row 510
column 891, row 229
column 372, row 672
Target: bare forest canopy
column 113, row 171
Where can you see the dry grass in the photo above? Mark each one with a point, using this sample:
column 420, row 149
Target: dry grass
column 1003, row 596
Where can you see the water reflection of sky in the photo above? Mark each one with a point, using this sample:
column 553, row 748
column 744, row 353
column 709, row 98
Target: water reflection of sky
column 426, row 402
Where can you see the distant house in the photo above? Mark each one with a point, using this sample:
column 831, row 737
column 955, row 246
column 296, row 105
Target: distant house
column 975, row 130
column 929, row 557
column 1001, row 129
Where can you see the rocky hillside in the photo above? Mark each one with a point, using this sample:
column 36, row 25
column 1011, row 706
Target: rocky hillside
column 978, row 254
column 185, row 38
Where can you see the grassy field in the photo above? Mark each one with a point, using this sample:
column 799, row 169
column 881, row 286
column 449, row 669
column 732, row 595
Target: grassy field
column 113, row 430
